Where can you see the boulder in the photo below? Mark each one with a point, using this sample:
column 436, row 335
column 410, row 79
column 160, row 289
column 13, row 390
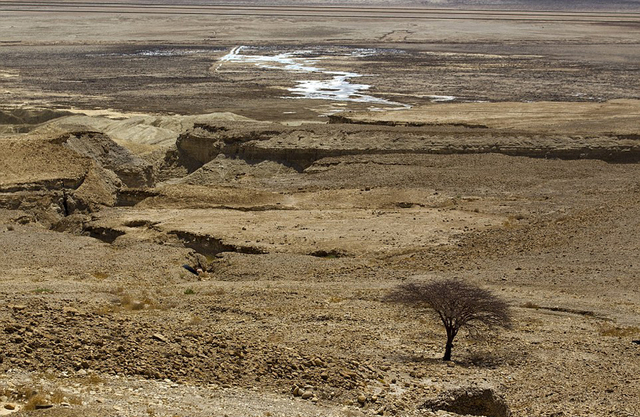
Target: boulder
column 474, row 401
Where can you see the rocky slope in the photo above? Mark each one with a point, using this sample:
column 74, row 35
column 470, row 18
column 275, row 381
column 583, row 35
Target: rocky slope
column 295, row 234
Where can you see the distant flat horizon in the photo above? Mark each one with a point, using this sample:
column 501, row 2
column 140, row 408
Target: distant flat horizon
column 538, row 5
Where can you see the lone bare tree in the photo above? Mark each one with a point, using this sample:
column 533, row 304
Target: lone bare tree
column 457, row 303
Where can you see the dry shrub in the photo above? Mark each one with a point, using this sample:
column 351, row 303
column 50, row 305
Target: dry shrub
column 100, row 275
column 43, row 291
column 58, row 397
column 32, row 396
column 34, row 401
column 22, row 392
column 94, row 379
column 195, row 320
column 75, row 400
column 124, row 300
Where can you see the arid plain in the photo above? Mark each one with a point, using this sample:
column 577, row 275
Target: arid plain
column 307, row 159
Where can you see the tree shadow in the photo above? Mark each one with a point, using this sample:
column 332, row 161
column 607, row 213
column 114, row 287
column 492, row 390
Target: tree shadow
column 490, row 360
column 477, row 358
column 413, row 358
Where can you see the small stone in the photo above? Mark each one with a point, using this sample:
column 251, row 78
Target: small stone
column 159, row 337
column 10, row 406
column 362, row 399
column 306, row 395
column 70, row 311
column 348, row 412
column 43, row 406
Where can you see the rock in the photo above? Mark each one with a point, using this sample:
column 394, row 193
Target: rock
column 318, row 362
column 132, row 170
column 472, row 400
column 10, row 406
column 306, row 395
column 347, row 412
column 362, row 398
column 350, row 374
column 70, row 311
column 159, row 337
column 43, row 406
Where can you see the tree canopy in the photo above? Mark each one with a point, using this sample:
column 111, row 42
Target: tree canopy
column 457, row 303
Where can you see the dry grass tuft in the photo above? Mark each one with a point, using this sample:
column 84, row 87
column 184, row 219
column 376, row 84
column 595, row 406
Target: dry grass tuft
column 124, row 300
column 100, row 275
column 195, row 320
column 34, row 401
column 22, row 392
column 58, row 397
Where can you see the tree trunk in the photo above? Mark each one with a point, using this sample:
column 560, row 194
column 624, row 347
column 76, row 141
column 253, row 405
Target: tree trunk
column 447, row 350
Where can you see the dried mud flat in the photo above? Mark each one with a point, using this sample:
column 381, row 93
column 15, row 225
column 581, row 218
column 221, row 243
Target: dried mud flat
column 303, row 213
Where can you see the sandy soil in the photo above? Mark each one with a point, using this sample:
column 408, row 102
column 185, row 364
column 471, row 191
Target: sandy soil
column 129, row 150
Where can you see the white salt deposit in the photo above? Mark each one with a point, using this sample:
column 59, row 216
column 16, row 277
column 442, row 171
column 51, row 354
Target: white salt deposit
column 439, row 99
column 336, row 88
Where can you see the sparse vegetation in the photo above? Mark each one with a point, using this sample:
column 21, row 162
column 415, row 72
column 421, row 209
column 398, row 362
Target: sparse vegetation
column 195, row 320
column 43, row 291
column 616, row 331
column 125, row 300
column 34, row 401
column 100, row 275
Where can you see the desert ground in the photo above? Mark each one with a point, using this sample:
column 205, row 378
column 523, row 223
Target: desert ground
column 305, row 159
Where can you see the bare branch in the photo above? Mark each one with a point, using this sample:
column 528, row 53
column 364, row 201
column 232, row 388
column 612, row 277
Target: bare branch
column 457, row 303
